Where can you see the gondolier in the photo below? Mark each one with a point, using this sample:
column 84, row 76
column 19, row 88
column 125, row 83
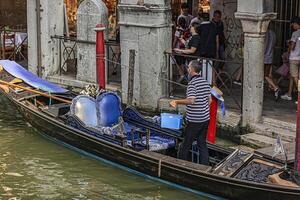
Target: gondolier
column 197, row 115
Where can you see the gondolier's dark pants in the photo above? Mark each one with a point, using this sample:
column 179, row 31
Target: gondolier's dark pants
column 195, row 131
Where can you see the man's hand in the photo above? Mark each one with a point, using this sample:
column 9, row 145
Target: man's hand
column 173, row 103
column 177, row 50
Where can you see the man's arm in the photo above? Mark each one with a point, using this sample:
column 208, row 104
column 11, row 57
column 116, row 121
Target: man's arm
column 187, row 101
column 293, row 41
column 217, row 46
column 209, row 99
column 292, row 46
column 175, row 41
column 189, row 51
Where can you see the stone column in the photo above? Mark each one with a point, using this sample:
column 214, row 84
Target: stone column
column 89, row 14
column 145, row 28
column 255, row 18
column 52, row 23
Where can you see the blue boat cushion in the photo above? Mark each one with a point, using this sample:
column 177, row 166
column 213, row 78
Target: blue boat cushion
column 98, row 117
column 84, row 107
column 132, row 116
column 157, row 142
column 108, row 109
column 106, row 133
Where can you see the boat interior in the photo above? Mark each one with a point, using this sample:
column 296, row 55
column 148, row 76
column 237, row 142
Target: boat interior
column 129, row 129
column 103, row 117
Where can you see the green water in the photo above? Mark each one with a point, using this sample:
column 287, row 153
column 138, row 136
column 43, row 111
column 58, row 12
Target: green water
column 31, row 167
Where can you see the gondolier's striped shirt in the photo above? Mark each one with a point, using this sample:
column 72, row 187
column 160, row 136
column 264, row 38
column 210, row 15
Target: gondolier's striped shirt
column 199, row 89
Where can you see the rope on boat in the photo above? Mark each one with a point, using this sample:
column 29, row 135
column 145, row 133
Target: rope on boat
column 50, row 99
column 146, row 73
column 149, row 74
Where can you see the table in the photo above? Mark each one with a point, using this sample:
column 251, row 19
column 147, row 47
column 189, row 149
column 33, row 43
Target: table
column 20, row 38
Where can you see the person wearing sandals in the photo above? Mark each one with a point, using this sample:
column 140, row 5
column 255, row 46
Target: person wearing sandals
column 270, row 42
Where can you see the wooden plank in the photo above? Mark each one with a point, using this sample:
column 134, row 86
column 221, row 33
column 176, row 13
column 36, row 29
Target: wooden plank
column 268, row 152
column 176, row 162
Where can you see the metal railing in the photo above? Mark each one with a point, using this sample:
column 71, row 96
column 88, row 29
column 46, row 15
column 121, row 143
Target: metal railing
column 220, row 78
column 13, row 44
column 68, row 56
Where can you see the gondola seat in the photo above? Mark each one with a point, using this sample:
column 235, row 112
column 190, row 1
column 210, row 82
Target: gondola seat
column 84, row 108
column 157, row 141
column 104, row 111
column 109, row 109
column 93, row 117
column 99, row 116
column 107, row 133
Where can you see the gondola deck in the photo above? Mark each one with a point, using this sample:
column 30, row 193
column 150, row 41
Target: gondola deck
column 232, row 174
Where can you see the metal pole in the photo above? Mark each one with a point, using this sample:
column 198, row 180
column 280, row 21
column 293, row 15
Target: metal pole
column 100, row 53
column 131, row 76
column 297, row 150
column 39, row 44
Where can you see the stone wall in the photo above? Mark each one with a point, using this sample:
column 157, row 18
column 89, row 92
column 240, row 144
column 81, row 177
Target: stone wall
column 147, row 30
column 52, row 23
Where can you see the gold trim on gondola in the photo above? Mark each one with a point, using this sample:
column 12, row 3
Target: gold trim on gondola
column 16, row 80
column 5, row 88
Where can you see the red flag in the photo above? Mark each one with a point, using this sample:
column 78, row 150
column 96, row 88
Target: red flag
column 211, row 133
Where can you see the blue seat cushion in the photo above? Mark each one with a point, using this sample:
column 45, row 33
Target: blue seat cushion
column 157, row 142
column 84, row 107
column 108, row 109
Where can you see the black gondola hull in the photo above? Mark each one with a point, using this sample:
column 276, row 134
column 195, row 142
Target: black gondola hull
column 197, row 180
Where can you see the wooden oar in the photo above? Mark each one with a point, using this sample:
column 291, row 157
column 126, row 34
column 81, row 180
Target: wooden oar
column 4, row 87
column 35, row 91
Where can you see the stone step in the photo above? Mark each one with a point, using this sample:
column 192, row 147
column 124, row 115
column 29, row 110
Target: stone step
column 231, row 119
column 257, row 141
column 279, row 124
column 273, row 131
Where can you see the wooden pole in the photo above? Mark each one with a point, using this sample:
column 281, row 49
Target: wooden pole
column 100, row 55
column 36, row 92
column 131, row 77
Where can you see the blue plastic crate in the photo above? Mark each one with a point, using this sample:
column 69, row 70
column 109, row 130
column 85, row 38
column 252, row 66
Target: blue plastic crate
column 171, row 121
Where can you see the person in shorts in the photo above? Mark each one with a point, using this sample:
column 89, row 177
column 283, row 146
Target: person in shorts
column 270, row 42
column 294, row 49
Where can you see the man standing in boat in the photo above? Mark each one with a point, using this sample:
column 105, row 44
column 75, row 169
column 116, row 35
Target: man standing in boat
column 197, row 113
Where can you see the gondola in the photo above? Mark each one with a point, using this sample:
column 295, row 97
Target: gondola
column 138, row 142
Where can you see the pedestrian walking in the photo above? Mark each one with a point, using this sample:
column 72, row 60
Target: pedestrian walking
column 270, row 42
column 294, row 49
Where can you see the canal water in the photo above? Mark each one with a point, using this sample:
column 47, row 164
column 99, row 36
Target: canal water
column 32, row 167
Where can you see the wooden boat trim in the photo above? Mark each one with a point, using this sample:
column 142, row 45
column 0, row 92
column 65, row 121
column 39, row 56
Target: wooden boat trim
column 162, row 165
column 206, row 175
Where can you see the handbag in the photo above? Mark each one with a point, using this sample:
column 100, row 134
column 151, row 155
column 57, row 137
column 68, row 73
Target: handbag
column 283, row 70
